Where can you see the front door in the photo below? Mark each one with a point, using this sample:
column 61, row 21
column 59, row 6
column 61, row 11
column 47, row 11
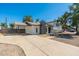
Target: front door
column 49, row 29
column 36, row 30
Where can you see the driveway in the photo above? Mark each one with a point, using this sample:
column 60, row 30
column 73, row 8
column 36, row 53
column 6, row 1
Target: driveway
column 35, row 45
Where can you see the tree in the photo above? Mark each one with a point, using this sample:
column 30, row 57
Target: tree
column 63, row 20
column 27, row 19
column 37, row 20
column 3, row 25
column 11, row 26
column 74, row 9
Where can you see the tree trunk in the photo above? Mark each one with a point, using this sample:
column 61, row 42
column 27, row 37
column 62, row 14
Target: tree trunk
column 77, row 31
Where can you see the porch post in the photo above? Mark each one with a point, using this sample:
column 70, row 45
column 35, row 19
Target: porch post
column 47, row 30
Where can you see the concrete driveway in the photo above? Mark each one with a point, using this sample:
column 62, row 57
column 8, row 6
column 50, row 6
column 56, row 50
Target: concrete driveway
column 35, row 45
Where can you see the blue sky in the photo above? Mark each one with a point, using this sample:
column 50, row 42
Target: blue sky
column 47, row 12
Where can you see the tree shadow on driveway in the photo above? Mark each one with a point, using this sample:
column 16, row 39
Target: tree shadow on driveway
column 65, row 36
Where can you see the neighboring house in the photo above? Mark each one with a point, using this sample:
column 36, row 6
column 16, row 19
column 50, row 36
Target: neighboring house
column 53, row 26
column 28, row 28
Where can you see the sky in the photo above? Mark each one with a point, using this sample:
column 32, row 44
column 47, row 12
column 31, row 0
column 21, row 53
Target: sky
column 43, row 11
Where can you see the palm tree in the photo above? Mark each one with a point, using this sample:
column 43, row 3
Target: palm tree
column 27, row 19
column 74, row 9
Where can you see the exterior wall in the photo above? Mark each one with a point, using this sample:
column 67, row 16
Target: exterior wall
column 36, row 29
column 57, row 28
column 32, row 30
column 28, row 30
column 0, row 27
column 43, row 29
column 54, row 27
column 51, row 29
column 19, row 27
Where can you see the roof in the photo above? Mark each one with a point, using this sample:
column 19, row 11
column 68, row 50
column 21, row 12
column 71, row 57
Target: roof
column 52, row 23
column 29, row 23
column 33, row 23
column 18, row 23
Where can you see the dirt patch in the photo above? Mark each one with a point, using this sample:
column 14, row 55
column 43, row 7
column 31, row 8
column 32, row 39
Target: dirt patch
column 11, row 50
column 1, row 34
column 69, row 38
column 72, row 41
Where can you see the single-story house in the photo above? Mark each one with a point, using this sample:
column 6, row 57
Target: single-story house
column 35, row 27
column 28, row 28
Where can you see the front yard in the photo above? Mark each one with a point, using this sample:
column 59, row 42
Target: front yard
column 37, row 45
